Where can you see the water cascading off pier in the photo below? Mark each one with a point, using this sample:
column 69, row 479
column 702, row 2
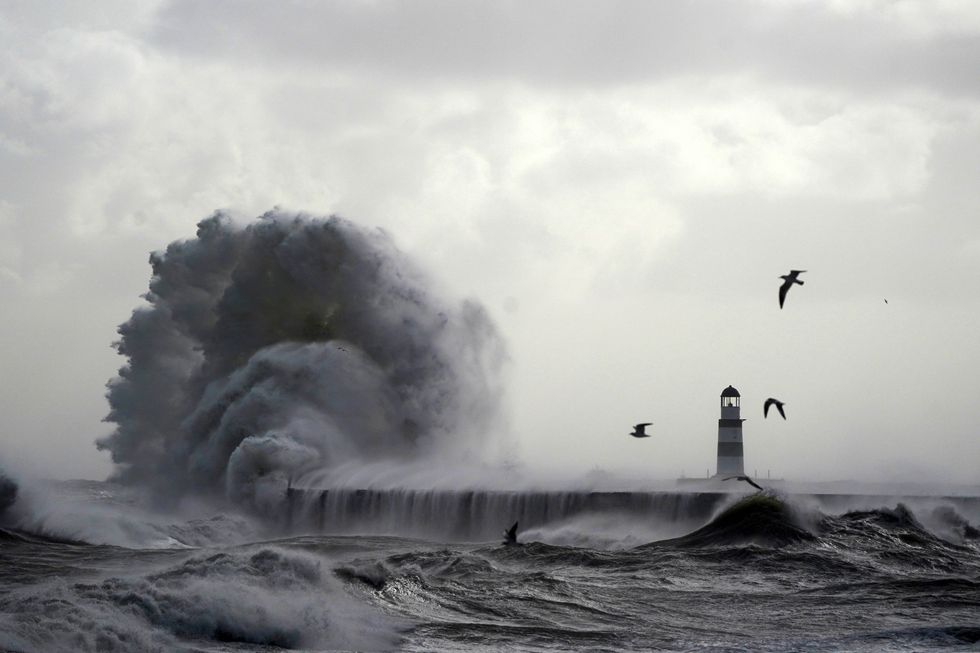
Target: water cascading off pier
column 480, row 514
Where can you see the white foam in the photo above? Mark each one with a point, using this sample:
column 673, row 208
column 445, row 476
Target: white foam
column 257, row 595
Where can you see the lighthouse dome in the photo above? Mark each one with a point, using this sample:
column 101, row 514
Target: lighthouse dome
column 730, row 392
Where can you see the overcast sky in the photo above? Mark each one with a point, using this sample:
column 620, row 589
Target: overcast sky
column 621, row 183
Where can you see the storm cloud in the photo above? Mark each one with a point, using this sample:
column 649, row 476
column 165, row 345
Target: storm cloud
column 619, row 183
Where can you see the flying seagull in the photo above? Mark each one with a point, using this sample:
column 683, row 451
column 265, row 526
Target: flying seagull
column 639, row 431
column 746, row 479
column 769, row 402
column 788, row 280
column 510, row 535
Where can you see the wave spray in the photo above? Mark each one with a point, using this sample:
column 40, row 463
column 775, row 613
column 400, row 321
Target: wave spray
column 283, row 348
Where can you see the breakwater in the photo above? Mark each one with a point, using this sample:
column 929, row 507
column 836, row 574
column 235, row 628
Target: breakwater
column 478, row 514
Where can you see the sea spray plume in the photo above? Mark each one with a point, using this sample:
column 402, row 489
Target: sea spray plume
column 951, row 522
column 287, row 346
column 294, row 408
column 8, row 493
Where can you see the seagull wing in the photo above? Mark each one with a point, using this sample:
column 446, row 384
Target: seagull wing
column 779, row 407
column 750, row 482
column 783, row 289
column 765, row 407
column 639, row 431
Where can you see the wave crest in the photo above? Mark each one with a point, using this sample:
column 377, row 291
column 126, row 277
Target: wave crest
column 265, row 596
column 757, row 519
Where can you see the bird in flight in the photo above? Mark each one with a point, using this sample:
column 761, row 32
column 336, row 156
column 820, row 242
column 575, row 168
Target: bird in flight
column 510, row 535
column 788, row 280
column 746, row 479
column 639, row 431
column 769, row 402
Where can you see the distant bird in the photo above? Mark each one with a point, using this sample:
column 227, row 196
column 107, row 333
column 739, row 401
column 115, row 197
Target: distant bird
column 788, row 280
column 639, row 431
column 510, row 535
column 746, row 479
column 769, row 402
column 886, row 301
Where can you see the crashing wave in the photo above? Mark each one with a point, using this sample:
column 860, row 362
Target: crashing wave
column 952, row 523
column 263, row 596
column 289, row 346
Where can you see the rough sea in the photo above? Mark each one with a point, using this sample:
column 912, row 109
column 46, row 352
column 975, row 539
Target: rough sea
column 427, row 571
column 288, row 382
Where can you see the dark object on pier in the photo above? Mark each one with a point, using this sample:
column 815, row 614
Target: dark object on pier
column 510, row 535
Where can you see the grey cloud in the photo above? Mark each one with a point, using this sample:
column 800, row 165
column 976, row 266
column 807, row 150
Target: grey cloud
column 667, row 205
column 558, row 42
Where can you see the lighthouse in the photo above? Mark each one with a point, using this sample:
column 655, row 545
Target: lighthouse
column 730, row 460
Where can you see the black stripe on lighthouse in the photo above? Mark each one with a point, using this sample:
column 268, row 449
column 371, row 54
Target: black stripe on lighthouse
column 730, row 423
column 730, row 449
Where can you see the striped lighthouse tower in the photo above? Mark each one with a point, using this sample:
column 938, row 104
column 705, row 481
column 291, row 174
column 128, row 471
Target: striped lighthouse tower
column 730, row 460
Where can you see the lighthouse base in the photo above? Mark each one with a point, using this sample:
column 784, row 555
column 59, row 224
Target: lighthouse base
column 730, row 466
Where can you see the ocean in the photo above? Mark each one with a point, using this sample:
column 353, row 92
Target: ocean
column 427, row 571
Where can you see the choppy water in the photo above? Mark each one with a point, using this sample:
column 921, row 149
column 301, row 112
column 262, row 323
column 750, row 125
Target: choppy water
column 760, row 573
